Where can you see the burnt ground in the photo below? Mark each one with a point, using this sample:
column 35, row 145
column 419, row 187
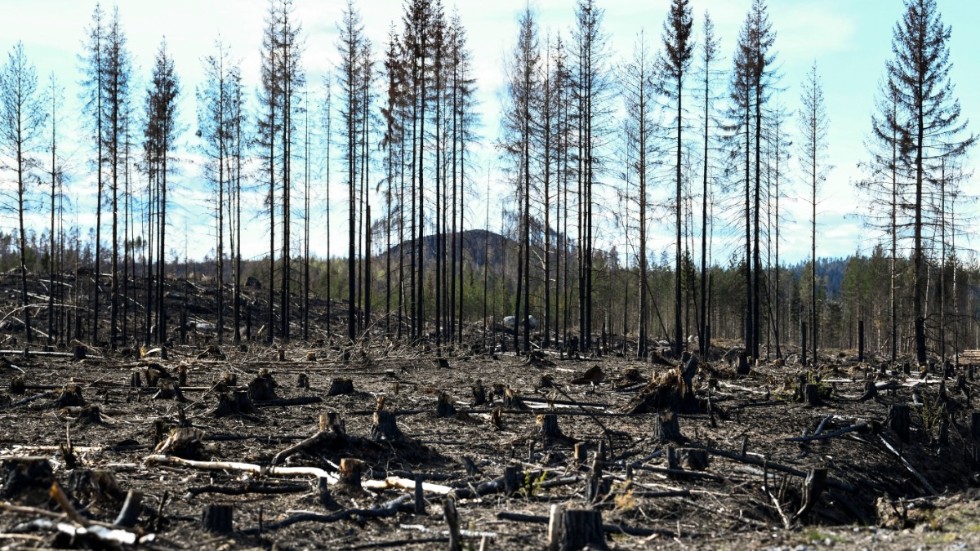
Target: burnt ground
column 233, row 426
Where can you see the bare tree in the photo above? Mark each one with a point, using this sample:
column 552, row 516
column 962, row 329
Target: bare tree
column 94, row 70
column 160, row 134
column 813, row 124
column 22, row 120
column 639, row 89
column 674, row 63
column 522, row 93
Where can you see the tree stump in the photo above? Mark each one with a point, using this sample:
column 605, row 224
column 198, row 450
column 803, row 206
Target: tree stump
column 694, row 459
column 497, row 418
column 233, row 403
column 512, row 401
column 900, row 421
column 672, row 462
column 217, row 518
column 262, row 387
column 94, row 487
column 78, row 353
column 580, row 453
column 302, row 381
column 452, row 519
column 26, row 479
column 548, row 429
column 341, row 387
column 135, row 380
column 384, row 428
column 169, row 390
column 183, row 442
column 811, row 395
column 742, row 364
column 332, row 422
column 225, row 382
column 574, row 529
column 154, row 374
column 512, row 480
column 595, row 487
column 70, row 396
column 668, row 429
column 870, row 391
column 444, row 406
column 975, row 425
column 813, row 486
column 18, row 386
column 89, row 415
column 419, row 496
column 479, row 393
column 350, row 476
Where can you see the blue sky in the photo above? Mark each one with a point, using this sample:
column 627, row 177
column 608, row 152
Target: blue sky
column 850, row 40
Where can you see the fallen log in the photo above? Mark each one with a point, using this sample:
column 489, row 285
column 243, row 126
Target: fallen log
column 387, row 509
column 760, row 462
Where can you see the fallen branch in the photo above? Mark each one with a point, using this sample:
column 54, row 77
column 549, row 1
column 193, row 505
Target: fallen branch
column 759, row 462
column 375, row 485
column 240, row 467
column 857, row 427
column 387, row 509
column 922, row 480
column 249, row 488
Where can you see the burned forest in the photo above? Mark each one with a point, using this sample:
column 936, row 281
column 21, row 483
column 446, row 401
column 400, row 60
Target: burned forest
column 361, row 285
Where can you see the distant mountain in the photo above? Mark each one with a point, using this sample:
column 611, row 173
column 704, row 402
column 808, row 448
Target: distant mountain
column 476, row 244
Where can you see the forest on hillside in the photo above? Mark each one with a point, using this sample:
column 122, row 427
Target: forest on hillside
column 588, row 144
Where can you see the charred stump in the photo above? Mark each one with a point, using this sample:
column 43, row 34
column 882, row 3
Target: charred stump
column 217, row 518
column 811, row 395
column 668, row 429
column 95, row 487
column 813, row 487
column 512, row 480
column 18, row 385
column 548, row 431
column 25, row 479
column 236, row 402
column 444, row 406
column 479, row 393
column 693, row 459
column 870, row 391
column 384, row 428
column 89, row 415
column 900, row 421
column 341, row 387
column 183, row 442
column 573, row 529
column 452, row 520
column 169, row 390
column 742, row 364
column 70, row 396
column 262, row 387
column 350, row 476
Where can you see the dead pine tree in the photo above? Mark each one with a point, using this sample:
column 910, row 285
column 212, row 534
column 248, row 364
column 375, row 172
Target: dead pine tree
column 22, row 119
